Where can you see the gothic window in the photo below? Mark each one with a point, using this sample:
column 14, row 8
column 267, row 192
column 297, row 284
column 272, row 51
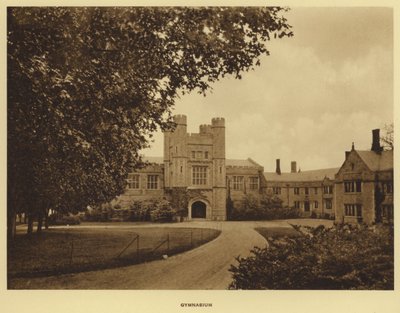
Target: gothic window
column 237, row 182
column 328, row 204
column 315, row 204
column 297, row 204
column 387, row 211
column 277, row 190
column 152, row 181
column 296, row 190
column 387, row 187
column 133, row 181
column 352, row 186
column 352, row 210
column 199, row 176
column 253, row 183
column 328, row 189
column 306, row 190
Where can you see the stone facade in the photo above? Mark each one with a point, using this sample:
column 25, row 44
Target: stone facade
column 309, row 191
column 197, row 163
column 364, row 187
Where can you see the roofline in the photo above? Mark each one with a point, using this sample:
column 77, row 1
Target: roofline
column 320, row 169
column 254, row 162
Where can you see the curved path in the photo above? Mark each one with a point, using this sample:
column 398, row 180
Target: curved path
column 205, row 267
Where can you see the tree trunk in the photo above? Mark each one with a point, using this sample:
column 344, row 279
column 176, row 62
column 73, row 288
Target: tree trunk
column 40, row 222
column 46, row 219
column 11, row 225
column 30, row 223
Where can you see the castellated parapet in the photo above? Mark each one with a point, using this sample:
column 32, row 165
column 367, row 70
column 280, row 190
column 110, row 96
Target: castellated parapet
column 205, row 129
column 218, row 122
column 180, row 119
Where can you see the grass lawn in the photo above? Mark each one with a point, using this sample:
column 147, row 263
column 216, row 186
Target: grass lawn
column 67, row 250
column 277, row 232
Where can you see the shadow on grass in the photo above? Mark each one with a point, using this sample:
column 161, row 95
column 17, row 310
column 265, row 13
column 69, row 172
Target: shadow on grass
column 58, row 252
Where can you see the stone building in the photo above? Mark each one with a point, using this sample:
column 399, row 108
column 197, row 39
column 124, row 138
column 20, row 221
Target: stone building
column 309, row 191
column 195, row 162
column 243, row 177
column 364, row 185
column 360, row 190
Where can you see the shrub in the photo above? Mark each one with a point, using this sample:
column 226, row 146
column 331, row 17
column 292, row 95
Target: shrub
column 345, row 257
column 139, row 211
column 179, row 199
column 162, row 212
column 264, row 208
column 64, row 220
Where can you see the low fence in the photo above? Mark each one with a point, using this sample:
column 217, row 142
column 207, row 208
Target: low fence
column 74, row 250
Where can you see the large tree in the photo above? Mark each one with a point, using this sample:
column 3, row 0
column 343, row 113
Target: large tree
column 87, row 86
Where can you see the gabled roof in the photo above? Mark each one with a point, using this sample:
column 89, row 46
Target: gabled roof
column 154, row 160
column 314, row 175
column 377, row 161
column 241, row 163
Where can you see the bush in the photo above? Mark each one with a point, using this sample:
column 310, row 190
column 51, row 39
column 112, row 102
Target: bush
column 139, row 211
column 162, row 212
column 345, row 257
column 154, row 210
column 64, row 220
column 264, row 208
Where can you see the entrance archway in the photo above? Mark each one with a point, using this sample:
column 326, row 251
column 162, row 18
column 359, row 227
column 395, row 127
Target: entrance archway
column 199, row 209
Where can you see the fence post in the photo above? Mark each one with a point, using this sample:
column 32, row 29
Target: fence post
column 191, row 238
column 201, row 235
column 137, row 246
column 168, row 244
column 72, row 251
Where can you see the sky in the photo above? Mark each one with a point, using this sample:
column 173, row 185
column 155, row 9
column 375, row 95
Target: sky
column 317, row 92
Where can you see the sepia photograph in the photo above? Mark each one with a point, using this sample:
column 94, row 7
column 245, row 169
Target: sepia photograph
column 200, row 148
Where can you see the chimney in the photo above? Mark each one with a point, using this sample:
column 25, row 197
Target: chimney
column 278, row 166
column 376, row 146
column 293, row 167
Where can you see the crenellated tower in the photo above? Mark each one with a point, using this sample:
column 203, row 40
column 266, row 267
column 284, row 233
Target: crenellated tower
column 197, row 162
column 219, row 169
column 175, row 154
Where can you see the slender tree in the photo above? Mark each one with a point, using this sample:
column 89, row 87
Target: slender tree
column 387, row 140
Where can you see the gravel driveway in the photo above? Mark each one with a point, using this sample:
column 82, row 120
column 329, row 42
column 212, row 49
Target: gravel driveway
column 205, row 267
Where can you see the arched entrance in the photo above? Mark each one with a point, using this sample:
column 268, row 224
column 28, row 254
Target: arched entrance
column 199, row 209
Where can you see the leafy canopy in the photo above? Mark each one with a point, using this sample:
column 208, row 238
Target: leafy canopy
column 88, row 85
